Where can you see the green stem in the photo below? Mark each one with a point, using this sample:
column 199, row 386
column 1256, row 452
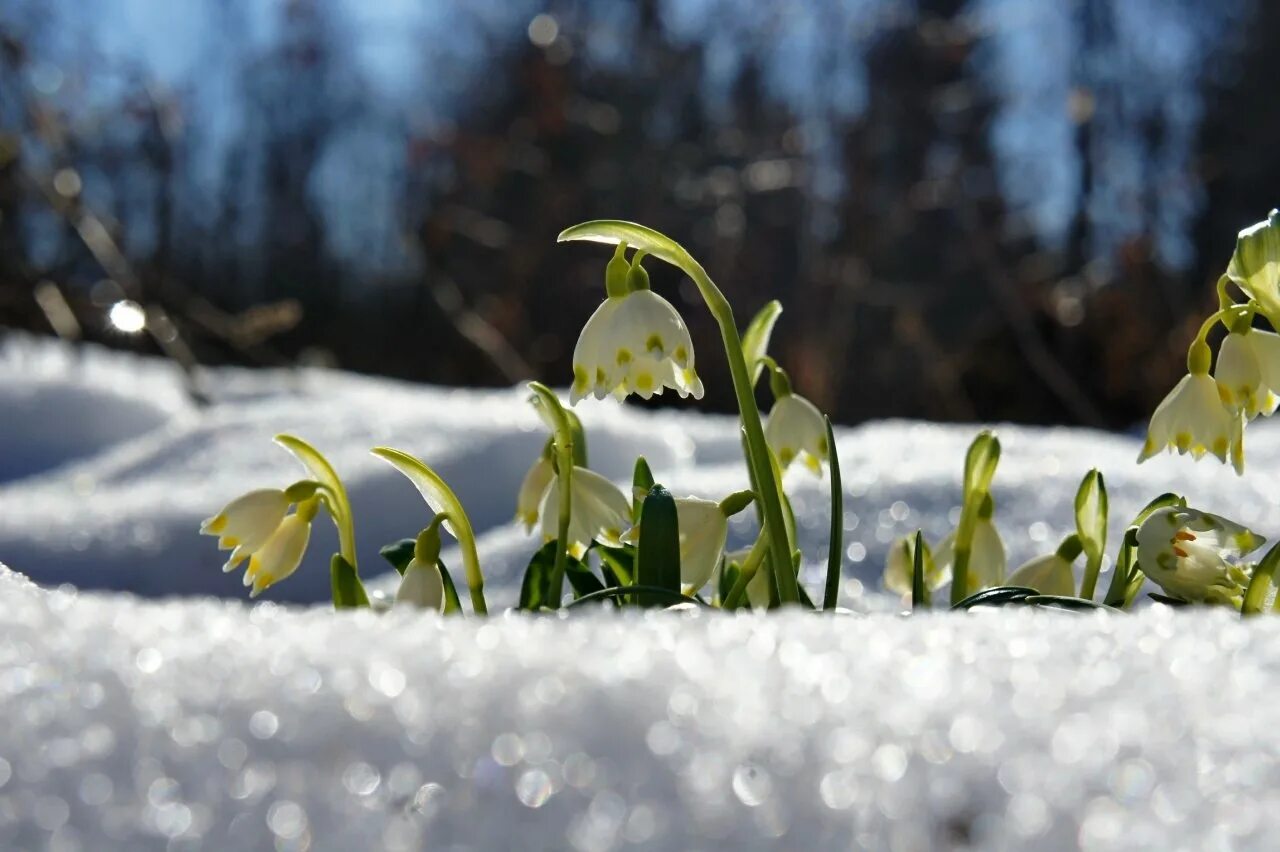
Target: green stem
column 757, row 449
column 564, row 474
column 440, row 497
column 733, row 600
column 769, row 488
column 331, row 485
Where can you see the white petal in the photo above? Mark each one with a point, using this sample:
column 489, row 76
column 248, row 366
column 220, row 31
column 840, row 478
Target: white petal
column 591, row 368
column 597, row 510
column 1048, row 575
column 703, row 530
column 987, row 560
column 532, row 490
column 795, row 426
column 1238, row 373
column 422, row 586
column 249, row 520
column 280, row 556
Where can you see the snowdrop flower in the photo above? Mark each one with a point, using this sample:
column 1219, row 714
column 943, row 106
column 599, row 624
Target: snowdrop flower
column 244, row 525
column 280, row 556
column 1255, row 265
column 598, row 510
column 1051, row 574
column 987, row 561
column 1183, row 551
column 422, row 586
column 898, row 566
column 532, row 490
column 635, row 342
column 1248, row 371
column 1193, row 418
column 796, row 429
column 703, row 530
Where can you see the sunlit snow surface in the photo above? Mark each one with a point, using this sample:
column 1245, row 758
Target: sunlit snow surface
column 205, row 723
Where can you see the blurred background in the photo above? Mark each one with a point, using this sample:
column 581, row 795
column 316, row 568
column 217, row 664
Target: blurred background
column 971, row 209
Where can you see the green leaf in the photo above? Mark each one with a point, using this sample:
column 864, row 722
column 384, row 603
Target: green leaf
column 399, row 553
column 452, row 606
column 1091, row 525
column 658, row 552
column 535, row 589
column 641, row 482
column 1164, row 500
column 664, row 597
column 617, row 564
column 998, row 596
column 835, row 548
column 581, row 579
column 919, row 591
column 579, row 439
column 729, row 573
column 537, row 577
column 335, row 495
column 980, row 466
column 614, row 231
column 348, row 592
column 441, row 499
column 1264, row 574
column 755, row 340
column 1126, row 570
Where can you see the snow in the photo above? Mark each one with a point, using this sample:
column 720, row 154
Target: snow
column 201, row 721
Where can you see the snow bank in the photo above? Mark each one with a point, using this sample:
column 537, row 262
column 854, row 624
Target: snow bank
column 133, row 724
column 207, row 723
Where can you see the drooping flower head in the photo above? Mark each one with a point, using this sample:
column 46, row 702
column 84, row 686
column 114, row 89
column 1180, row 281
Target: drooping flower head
column 244, row 525
column 635, row 342
column 598, row 511
column 796, row 430
column 1248, row 371
column 703, row 529
column 1194, row 418
column 422, row 585
column 1184, row 551
column 281, row 554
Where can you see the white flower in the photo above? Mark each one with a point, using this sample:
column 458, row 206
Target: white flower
column 1193, row 418
column 987, row 561
column 280, row 555
column 1183, row 550
column 634, row 343
column 532, row 490
column 422, row 586
column 597, row 510
column 1048, row 575
column 703, row 530
column 1248, row 372
column 1265, row 347
column 1255, row 264
column 796, row 428
column 244, row 525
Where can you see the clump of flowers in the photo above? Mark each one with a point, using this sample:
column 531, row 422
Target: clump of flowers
column 1207, row 413
column 645, row 547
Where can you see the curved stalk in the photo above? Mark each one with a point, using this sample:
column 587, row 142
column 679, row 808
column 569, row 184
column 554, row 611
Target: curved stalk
column 331, row 486
column 442, row 500
column 612, row 232
column 558, row 419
